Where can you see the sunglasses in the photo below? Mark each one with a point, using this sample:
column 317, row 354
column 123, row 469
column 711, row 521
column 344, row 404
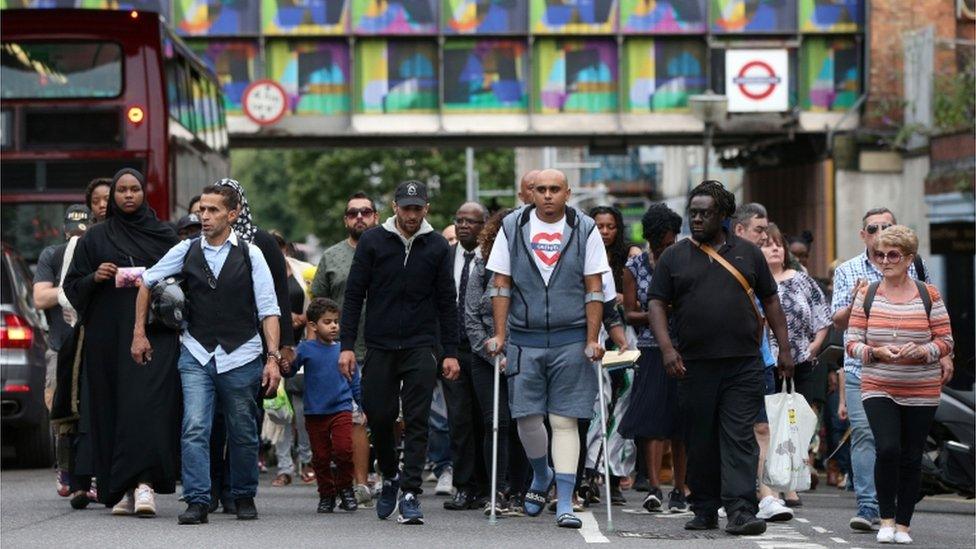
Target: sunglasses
column 353, row 213
column 893, row 257
column 871, row 229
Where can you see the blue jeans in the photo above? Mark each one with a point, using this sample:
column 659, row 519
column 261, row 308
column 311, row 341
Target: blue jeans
column 862, row 450
column 439, row 435
column 235, row 391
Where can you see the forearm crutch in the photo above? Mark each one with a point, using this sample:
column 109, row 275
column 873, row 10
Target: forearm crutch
column 606, row 444
column 496, row 374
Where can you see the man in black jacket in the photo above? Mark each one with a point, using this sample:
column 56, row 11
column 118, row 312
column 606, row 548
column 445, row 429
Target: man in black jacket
column 405, row 270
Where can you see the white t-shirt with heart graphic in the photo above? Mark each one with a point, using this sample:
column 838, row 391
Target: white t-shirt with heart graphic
column 546, row 246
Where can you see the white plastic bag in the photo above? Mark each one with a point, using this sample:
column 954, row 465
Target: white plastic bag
column 792, row 424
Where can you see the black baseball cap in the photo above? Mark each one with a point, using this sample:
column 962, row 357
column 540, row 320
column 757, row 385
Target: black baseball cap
column 411, row 193
column 188, row 221
column 77, row 218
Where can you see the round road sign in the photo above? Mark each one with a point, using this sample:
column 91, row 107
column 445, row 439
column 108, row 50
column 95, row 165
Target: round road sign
column 265, row 102
column 757, row 80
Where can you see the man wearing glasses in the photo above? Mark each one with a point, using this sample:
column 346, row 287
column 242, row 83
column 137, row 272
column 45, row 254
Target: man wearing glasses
column 330, row 282
column 848, row 279
column 462, row 402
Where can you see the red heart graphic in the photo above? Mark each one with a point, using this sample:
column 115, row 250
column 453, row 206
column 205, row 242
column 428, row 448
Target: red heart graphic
column 547, row 246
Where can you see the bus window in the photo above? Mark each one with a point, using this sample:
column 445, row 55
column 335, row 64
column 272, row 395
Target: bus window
column 186, row 97
column 60, row 70
column 197, row 106
column 173, row 89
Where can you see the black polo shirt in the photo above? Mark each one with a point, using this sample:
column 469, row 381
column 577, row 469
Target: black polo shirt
column 712, row 314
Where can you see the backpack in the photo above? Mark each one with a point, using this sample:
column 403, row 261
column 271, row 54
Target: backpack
column 923, row 292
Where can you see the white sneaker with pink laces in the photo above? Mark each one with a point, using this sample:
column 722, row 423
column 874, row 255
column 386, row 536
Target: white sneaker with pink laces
column 145, row 505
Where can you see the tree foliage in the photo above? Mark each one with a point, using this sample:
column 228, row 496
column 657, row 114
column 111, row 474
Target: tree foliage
column 305, row 191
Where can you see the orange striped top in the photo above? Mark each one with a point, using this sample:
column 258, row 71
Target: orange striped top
column 907, row 382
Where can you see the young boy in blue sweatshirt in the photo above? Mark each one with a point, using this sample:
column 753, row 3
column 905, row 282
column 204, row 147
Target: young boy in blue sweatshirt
column 328, row 406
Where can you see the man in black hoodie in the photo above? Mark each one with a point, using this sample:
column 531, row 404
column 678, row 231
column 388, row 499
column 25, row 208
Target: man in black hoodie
column 405, row 270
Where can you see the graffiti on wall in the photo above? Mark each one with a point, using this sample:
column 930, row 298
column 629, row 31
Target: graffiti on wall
column 660, row 74
column 484, row 16
column 394, row 16
column 741, row 16
column 233, row 62
column 573, row 75
column 829, row 74
column 573, row 16
column 330, row 17
column 215, row 17
column 485, row 76
column 315, row 75
column 396, row 77
column 831, row 15
column 662, row 16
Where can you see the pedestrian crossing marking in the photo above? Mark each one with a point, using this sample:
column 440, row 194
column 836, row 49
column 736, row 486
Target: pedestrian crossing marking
column 591, row 528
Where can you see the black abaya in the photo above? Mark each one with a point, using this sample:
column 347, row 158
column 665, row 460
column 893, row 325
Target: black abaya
column 135, row 408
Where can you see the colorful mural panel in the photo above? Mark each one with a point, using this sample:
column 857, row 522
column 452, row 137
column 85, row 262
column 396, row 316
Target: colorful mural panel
column 233, row 61
column 577, row 76
column 830, row 74
column 484, row 16
column 573, row 16
column 745, row 16
column 160, row 6
column 296, row 17
column 315, row 75
column 662, row 16
column 660, row 74
column 396, row 77
column 831, row 15
column 215, row 17
column 394, row 16
column 485, row 76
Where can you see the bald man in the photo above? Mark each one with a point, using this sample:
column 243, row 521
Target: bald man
column 548, row 297
column 525, row 186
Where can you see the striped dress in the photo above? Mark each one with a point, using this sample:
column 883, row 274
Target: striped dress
column 907, row 382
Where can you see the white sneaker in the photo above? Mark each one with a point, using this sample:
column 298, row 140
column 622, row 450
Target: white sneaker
column 886, row 534
column 773, row 510
column 126, row 506
column 145, row 505
column 722, row 513
column 445, row 483
column 902, row 538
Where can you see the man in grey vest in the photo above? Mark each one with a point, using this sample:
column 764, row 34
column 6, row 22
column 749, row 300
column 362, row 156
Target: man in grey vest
column 547, row 295
column 229, row 293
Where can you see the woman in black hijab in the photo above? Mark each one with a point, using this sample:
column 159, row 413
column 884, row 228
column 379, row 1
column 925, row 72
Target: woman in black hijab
column 135, row 408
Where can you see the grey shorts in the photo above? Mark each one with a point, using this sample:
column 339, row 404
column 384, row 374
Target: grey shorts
column 556, row 380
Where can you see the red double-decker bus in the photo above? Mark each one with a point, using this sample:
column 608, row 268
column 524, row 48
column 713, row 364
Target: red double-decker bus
column 84, row 93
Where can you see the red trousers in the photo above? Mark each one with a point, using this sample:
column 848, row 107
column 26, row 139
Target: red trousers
column 331, row 439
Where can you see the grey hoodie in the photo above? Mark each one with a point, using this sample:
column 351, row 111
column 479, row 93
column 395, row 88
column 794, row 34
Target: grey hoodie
column 390, row 225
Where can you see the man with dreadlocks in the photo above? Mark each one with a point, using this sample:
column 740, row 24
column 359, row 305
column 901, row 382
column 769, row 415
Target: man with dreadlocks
column 719, row 367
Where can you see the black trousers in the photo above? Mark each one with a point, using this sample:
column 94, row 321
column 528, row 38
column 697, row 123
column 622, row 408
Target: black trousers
column 719, row 400
column 899, row 439
column 513, row 466
column 464, row 415
column 389, row 377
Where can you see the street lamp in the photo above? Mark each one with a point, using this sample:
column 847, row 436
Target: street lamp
column 710, row 108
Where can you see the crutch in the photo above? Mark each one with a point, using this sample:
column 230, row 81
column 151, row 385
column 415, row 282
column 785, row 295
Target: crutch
column 606, row 445
column 492, row 519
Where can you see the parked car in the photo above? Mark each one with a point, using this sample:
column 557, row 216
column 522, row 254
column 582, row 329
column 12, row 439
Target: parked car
column 23, row 415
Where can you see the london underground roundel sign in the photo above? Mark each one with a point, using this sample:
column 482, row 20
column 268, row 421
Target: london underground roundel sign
column 265, row 102
column 757, row 80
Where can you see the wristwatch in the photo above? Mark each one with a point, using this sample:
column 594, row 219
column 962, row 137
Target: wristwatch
column 275, row 355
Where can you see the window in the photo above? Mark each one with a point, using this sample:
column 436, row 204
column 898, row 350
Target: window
column 59, row 70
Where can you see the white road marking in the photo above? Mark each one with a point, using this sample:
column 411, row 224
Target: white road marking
column 819, row 529
column 781, row 536
column 803, row 520
column 839, row 540
column 663, row 515
column 591, row 528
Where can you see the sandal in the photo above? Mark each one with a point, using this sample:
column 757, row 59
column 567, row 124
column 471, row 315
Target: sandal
column 537, row 498
column 569, row 520
column 308, row 475
column 283, row 479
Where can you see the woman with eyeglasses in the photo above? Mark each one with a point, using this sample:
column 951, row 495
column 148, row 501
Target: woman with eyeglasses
column 899, row 329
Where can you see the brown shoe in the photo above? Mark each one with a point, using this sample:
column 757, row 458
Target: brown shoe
column 283, row 479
